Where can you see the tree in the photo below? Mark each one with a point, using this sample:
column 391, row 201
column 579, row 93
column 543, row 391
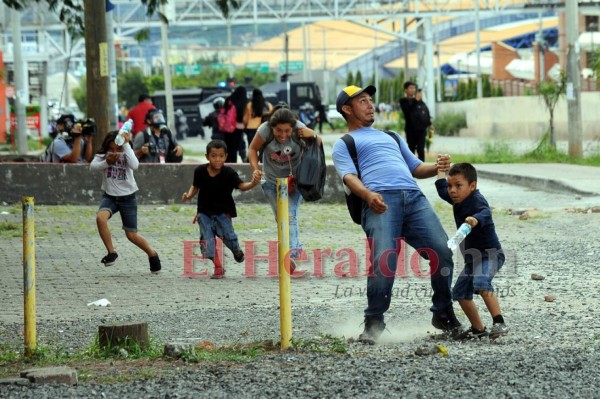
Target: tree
column 349, row 79
column 75, row 17
column 551, row 91
column 358, row 79
column 596, row 66
column 130, row 85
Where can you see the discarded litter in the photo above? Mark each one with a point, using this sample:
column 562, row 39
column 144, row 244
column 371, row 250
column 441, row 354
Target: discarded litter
column 100, row 302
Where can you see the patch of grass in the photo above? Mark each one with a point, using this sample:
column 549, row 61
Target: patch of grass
column 129, row 349
column 176, row 208
column 9, row 229
column 8, row 354
column 501, row 152
column 324, row 343
column 234, row 353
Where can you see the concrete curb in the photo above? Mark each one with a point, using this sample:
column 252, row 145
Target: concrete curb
column 548, row 185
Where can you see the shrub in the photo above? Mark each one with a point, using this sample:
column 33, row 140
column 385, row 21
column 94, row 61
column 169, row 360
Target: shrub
column 450, row 124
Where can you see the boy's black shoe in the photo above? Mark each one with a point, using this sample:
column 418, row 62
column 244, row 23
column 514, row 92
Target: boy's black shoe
column 238, row 256
column 373, row 329
column 446, row 321
column 154, row 264
column 110, row 259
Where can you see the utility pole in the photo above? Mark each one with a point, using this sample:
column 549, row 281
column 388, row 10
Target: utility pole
column 169, row 12
column 20, row 84
column 478, row 50
column 96, row 59
column 113, row 109
column 573, row 80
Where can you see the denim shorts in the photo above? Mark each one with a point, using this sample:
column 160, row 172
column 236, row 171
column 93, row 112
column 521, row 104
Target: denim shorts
column 477, row 276
column 126, row 204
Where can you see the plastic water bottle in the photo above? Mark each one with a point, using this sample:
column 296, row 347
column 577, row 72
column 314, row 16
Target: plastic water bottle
column 459, row 236
column 126, row 128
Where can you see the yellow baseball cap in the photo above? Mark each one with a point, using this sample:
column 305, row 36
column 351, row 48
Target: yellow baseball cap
column 350, row 92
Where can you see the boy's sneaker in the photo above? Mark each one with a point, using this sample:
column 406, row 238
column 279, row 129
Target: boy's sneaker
column 373, row 329
column 238, row 256
column 110, row 259
column 498, row 330
column 154, row 264
column 471, row 333
column 218, row 273
column 446, row 321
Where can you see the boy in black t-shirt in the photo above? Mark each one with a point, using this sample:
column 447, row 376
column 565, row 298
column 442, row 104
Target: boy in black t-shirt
column 214, row 182
column 481, row 250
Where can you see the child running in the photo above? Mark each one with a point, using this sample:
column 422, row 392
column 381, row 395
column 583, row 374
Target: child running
column 481, row 250
column 117, row 164
column 214, row 182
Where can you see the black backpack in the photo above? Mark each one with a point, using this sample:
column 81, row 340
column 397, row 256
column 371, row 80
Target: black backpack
column 353, row 201
column 311, row 173
column 419, row 117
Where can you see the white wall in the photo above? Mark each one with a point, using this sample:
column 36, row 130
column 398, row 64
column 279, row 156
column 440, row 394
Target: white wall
column 523, row 117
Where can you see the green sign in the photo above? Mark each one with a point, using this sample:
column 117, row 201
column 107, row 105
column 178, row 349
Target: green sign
column 293, row 66
column 194, row 69
column 219, row 65
column 179, row 69
column 258, row 66
column 183, row 69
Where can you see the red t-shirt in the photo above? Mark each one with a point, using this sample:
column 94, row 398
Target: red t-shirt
column 138, row 115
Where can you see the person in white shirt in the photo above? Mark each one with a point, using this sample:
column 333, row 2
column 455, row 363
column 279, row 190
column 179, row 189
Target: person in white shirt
column 117, row 164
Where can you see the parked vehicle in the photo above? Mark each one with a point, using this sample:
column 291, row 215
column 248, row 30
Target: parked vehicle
column 295, row 94
column 186, row 100
column 206, row 106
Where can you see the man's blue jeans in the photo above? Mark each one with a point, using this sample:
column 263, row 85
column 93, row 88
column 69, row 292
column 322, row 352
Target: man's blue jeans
column 411, row 217
column 294, row 201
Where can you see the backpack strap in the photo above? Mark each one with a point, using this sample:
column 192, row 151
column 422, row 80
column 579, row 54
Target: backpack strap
column 351, row 145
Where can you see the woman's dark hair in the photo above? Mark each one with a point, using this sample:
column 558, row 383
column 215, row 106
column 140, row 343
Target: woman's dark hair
column 110, row 138
column 239, row 99
column 465, row 169
column 277, row 107
column 282, row 115
column 258, row 102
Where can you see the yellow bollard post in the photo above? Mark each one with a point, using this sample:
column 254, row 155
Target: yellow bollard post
column 283, row 235
column 29, row 275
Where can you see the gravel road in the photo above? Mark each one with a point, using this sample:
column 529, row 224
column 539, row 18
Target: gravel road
column 553, row 349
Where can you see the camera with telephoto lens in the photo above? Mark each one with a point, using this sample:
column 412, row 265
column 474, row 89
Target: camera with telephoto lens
column 151, row 149
column 88, row 126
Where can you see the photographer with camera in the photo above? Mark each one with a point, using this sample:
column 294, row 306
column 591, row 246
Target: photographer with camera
column 156, row 144
column 73, row 142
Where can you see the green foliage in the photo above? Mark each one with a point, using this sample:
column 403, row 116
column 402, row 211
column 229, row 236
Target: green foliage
column 8, row 229
column 80, row 95
column 595, row 65
column 128, row 348
column 551, row 92
column 142, row 35
column 155, row 83
column 450, row 124
column 130, row 85
column 467, row 89
column 323, row 343
column 349, row 79
column 358, row 80
column 234, row 353
column 8, row 354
